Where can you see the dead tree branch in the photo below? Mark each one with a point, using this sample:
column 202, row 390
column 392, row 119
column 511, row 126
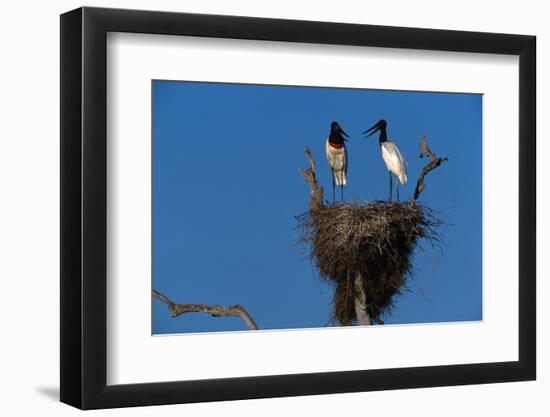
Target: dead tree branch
column 317, row 193
column 215, row 310
column 425, row 151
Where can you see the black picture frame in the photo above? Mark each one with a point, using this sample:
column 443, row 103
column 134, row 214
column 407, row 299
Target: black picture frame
column 84, row 207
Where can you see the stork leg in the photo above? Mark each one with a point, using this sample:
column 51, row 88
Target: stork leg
column 333, row 187
column 391, row 187
column 397, row 187
column 342, row 193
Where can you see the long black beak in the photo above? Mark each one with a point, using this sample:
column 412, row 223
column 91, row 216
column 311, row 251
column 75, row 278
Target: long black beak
column 371, row 131
column 344, row 133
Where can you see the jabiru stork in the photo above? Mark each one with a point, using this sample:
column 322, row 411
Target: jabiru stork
column 337, row 157
column 395, row 163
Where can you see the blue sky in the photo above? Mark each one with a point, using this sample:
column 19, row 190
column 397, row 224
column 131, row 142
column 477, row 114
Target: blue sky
column 226, row 191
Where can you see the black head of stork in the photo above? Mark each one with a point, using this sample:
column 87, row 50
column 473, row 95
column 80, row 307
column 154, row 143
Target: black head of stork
column 337, row 134
column 378, row 127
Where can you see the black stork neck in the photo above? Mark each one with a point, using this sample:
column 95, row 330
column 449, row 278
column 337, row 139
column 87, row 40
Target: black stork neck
column 383, row 135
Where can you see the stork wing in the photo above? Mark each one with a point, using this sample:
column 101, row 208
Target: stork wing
column 399, row 156
column 394, row 160
column 345, row 161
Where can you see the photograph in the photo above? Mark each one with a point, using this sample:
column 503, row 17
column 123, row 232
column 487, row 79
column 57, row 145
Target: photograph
column 260, row 204
column 280, row 207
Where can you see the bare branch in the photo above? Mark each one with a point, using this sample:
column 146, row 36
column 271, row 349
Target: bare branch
column 425, row 151
column 215, row 310
column 317, row 192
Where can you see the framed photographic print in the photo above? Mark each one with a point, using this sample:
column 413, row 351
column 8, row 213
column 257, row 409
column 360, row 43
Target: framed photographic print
column 259, row 207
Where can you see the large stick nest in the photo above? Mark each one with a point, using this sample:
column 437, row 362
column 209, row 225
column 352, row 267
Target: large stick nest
column 370, row 243
column 375, row 240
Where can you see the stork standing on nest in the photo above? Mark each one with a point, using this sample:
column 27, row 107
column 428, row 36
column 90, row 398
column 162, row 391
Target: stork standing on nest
column 337, row 158
column 395, row 163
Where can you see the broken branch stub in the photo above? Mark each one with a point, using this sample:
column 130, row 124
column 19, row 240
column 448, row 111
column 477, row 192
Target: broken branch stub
column 425, row 151
column 317, row 193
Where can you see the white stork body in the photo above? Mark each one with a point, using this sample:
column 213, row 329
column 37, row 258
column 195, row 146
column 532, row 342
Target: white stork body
column 337, row 158
column 338, row 162
column 395, row 163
